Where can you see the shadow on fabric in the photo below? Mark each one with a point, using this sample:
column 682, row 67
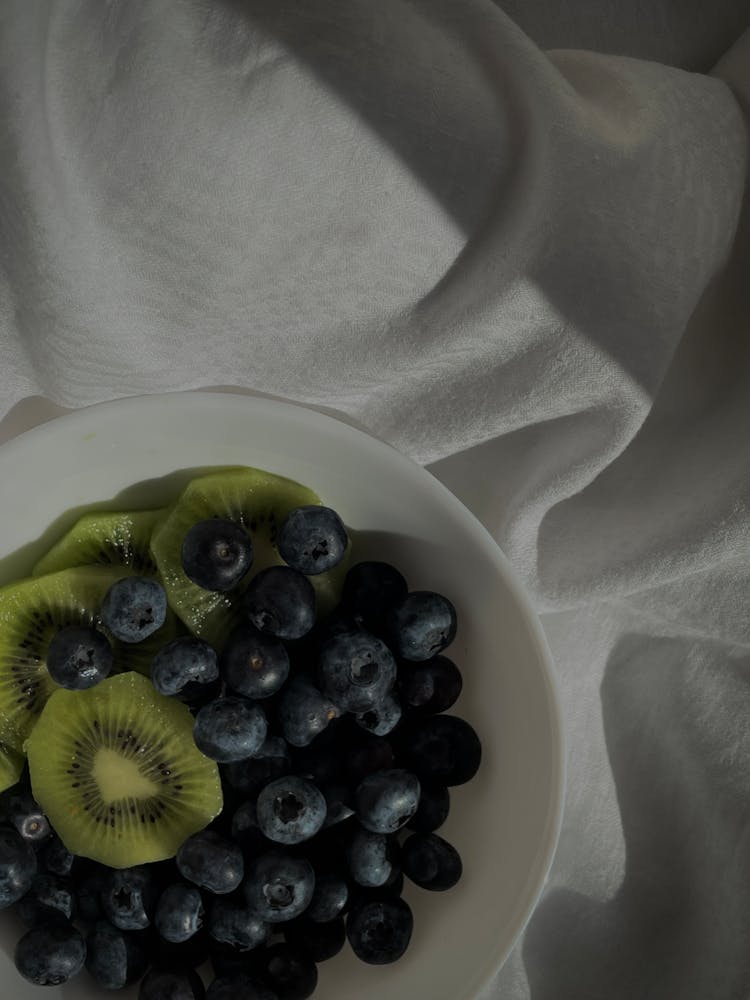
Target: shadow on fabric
column 675, row 723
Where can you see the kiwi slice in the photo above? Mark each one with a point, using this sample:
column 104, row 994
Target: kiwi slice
column 257, row 500
column 105, row 538
column 117, row 772
column 31, row 612
column 11, row 766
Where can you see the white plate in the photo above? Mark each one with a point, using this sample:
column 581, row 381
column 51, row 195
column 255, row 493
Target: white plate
column 506, row 822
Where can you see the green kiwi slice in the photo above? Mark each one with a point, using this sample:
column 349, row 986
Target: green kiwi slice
column 11, row 766
column 257, row 500
column 105, row 538
column 117, row 772
column 31, row 612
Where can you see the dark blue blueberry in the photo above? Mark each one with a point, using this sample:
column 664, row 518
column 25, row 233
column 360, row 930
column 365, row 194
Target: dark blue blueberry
column 304, row 712
column 162, row 984
column 279, row 601
column 432, row 686
column 22, row 812
column 238, row 987
column 391, row 889
column 421, row 625
column 356, row 670
column 370, row 590
column 430, row 861
column 318, row 941
column 129, row 897
column 179, row 913
column 312, row 539
column 442, row 749
column 279, row 886
column 79, row 657
column 216, row 554
column 51, row 953
column 369, row 754
column 245, row 830
column 226, row 961
column 211, row 861
column 270, row 761
column 49, row 896
column 290, row 810
column 55, row 857
column 253, row 664
column 386, row 800
column 371, row 858
column 134, row 608
column 114, row 958
column 330, row 897
column 90, row 879
column 383, row 718
column 184, row 668
column 338, row 809
column 379, row 930
column 18, row 866
column 288, row 972
column 432, row 811
column 230, row 729
column 338, row 621
column 233, row 923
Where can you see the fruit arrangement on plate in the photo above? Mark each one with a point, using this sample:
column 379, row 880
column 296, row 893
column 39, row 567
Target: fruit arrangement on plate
column 222, row 738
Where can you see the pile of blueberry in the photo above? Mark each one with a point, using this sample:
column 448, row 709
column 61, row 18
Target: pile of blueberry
column 336, row 764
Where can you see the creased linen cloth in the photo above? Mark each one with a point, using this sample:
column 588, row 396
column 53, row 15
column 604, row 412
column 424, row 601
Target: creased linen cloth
column 525, row 269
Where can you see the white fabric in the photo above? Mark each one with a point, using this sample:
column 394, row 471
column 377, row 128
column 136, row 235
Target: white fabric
column 526, row 269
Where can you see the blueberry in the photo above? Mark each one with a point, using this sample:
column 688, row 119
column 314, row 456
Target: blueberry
column 421, row 625
column 129, row 897
column 280, row 601
column 279, row 886
column 270, row 761
column 253, row 664
column 289, row 973
column 370, row 754
column 245, row 830
column 432, row 686
column 230, row 729
column 79, row 657
column 356, row 670
column 134, row 608
column 27, row 817
column 371, row 858
column 432, row 811
column 382, row 718
column 329, row 898
column 184, row 667
column 211, row 861
column 162, row 984
column 226, row 961
column 114, row 958
column 379, row 930
column 18, row 866
column 55, row 857
column 51, row 953
column 179, row 913
column 370, row 590
column 49, row 896
column 442, row 749
column 231, row 922
column 431, row 862
column 216, row 554
column 290, row 810
column 321, row 765
column 338, row 621
column 312, row 539
column 318, row 941
column 90, row 879
column 304, row 712
column 386, row 800
column 238, row 987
